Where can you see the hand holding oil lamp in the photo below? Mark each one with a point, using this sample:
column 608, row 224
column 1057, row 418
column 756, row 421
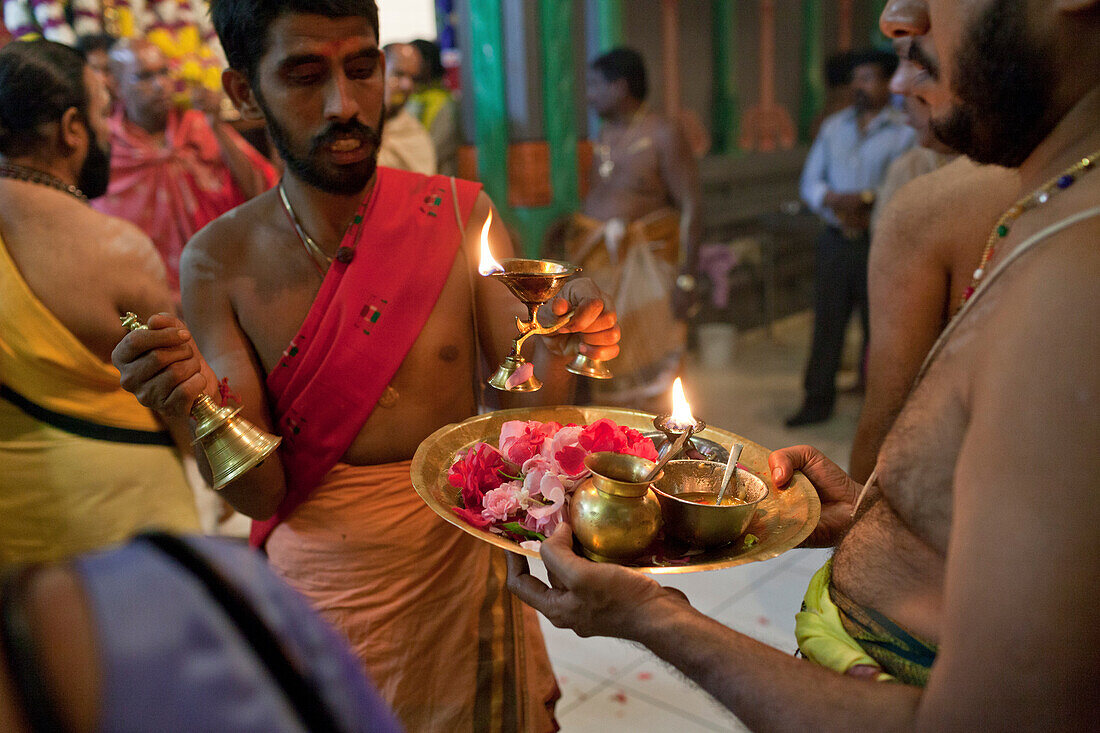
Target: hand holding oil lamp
column 534, row 283
column 233, row 446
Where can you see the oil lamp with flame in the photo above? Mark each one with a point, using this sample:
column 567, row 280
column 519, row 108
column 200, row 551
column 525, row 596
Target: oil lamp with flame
column 534, row 282
column 679, row 426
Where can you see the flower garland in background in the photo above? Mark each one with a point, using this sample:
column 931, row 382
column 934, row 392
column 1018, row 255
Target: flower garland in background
column 181, row 29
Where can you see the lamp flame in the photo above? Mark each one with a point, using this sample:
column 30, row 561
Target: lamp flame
column 487, row 265
column 681, row 410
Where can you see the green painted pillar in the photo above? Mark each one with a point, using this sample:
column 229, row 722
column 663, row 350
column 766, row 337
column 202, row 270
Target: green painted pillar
column 559, row 102
column 609, row 16
column 490, row 108
column 726, row 115
column 813, row 86
column 878, row 40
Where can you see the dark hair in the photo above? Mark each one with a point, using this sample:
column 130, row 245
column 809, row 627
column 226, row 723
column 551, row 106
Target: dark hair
column 39, row 80
column 433, row 58
column 885, row 61
column 624, row 63
column 242, row 25
column 95, row 42
column 838, row 69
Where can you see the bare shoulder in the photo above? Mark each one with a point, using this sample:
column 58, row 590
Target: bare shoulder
column 124, row 247
column 1045, row 303
column 229, row 243
column 958, row 202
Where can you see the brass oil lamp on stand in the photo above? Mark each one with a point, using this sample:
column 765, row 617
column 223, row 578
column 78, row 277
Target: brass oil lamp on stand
column 233, row 446
column 534, row 283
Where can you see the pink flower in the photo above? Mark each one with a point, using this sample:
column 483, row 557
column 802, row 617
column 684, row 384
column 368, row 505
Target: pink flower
column 520, row 441
column 502, row 503
column 476, row 472
column 547, row 517
column 565, row 452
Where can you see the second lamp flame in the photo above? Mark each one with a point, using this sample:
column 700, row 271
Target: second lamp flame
column 487, row 265
column 681, row 410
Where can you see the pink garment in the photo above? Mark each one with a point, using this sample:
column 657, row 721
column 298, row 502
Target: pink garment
column 172, row 191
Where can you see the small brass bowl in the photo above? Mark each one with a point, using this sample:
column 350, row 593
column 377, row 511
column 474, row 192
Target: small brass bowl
column 703, row 525
column 614, row 512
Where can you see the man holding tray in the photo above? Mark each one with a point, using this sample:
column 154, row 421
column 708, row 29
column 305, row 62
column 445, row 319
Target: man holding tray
column 961, row 595
column 345, row 310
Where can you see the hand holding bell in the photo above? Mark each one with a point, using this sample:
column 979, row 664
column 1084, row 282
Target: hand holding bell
column 232, row 444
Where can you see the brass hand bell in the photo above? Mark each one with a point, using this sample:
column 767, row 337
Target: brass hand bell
column 233, row 446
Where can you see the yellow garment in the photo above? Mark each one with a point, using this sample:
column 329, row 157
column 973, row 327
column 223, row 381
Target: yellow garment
column 45, row 363
column 60, row 493
column 422, row 603
column 820, row 632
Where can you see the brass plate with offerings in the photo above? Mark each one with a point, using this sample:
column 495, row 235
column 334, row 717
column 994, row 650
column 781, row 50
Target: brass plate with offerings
column 783, row 520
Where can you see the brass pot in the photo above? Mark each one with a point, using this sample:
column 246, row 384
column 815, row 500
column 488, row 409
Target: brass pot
column 614, row 512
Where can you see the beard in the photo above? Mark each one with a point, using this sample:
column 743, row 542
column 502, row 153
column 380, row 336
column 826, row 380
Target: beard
column 1002, row 82
column 306, row 166
column 95, row 172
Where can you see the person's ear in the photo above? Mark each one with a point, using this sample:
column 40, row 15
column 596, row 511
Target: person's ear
column 73, row 130
column 240, row 92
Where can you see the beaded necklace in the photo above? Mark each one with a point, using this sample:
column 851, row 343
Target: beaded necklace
column 30, row 175
column 1038, row 197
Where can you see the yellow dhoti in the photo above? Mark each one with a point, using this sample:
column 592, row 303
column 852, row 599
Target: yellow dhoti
column 82, row 463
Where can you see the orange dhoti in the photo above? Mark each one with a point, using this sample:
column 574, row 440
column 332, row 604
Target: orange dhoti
column 422, row 603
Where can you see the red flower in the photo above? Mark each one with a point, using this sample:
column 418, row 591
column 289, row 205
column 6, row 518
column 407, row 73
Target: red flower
column 475, row 473
column 571, row 460
column 603, row 435
column 521, row 441
column 639, row 445
column 473, row 517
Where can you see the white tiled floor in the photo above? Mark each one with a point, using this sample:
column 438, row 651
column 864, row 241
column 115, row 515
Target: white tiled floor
column 610, row 685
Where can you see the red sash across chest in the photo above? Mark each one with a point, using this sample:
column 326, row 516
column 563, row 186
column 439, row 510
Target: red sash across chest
column 367, row 315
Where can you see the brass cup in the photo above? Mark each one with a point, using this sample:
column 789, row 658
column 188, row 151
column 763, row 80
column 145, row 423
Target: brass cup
column 535, row 282
column 702, row 525
column 614, row 512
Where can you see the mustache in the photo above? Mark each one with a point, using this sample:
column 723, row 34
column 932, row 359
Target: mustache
column 341, row 130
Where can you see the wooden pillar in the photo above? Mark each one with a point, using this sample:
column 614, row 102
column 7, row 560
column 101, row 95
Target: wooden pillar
column 670, row 47
column 813, row 87
column 559, row 100
column 844, row 25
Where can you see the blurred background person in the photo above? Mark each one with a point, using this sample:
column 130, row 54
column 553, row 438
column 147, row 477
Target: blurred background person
column 638, row 231
column 405, row 142
column 172, row 171
column 82, row 464
column 436, row 107
column 846, row 164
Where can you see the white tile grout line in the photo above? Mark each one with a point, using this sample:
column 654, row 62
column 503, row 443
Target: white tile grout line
column 614, row 681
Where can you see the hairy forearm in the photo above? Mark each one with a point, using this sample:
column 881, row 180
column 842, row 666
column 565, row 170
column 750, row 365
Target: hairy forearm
column 765, row 688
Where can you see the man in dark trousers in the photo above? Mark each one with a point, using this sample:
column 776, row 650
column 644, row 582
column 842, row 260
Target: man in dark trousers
column 846, row 164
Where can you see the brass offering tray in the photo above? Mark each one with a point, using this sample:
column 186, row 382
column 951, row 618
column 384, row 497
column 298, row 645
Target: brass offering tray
column 782, row 521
